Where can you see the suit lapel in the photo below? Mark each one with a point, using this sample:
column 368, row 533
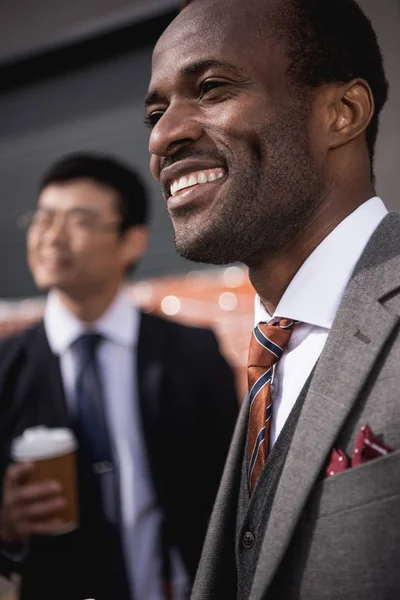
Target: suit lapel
column 151, row 373
column 39, row 394
column 358, row 336
column 215, row 575
column 46, row 382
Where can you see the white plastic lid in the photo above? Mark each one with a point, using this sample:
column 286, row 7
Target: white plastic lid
column 38, row 443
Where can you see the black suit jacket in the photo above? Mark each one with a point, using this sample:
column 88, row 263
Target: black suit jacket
column 188, row 406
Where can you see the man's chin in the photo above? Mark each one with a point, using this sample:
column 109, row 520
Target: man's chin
column 200, row 251
column 47, row 283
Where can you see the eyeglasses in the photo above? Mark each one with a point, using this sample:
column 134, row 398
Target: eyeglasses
column 78, row 221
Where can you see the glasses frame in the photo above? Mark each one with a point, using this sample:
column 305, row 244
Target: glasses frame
column 26, row 221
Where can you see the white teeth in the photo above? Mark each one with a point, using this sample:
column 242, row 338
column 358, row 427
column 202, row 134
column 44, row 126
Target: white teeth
column 195, row 178
column 183, row 182
column 174, row 187
column 202, row 177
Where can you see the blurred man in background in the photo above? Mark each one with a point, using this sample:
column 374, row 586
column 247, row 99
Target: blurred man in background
column 157, row 418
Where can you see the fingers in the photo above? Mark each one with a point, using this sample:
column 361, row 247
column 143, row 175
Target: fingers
column 17, row 474
column 41, row 528
column 29, row 508
column 34, row 492
column 39, row 510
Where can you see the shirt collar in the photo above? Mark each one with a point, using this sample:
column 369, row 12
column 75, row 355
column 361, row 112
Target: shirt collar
column 314, row 294
column 119, row 323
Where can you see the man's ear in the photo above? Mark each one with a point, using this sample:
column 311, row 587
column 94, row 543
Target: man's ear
column 135, row 243
column 353, row 109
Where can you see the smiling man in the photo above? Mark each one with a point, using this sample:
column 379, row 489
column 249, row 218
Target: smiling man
column 264, row 117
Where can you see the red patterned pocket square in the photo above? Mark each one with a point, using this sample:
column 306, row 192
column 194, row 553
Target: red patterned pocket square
column 337, row 463
column 367, row 447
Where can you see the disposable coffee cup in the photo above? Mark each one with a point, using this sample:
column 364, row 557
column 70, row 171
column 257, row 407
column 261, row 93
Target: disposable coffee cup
column 53, row 454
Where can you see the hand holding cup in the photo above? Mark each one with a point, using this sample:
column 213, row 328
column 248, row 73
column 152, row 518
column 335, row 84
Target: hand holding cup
column 39, row 491
column 29, row 508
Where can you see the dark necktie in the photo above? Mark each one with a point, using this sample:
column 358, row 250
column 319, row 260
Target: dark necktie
column 93, row 435
column 268, row 343
column 90, row 407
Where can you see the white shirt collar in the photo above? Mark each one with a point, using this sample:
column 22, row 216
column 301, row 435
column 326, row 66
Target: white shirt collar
column 314, row 294
column 120, row 323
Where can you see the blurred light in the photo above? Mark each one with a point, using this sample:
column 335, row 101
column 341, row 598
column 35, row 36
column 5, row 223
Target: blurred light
column 30, row 308
column 147, row 309
column 142, row 293
column 196, row 279
column 170, row 305
column 234, row 276
column 228, row 301
column 192, row 274
column 6, row 310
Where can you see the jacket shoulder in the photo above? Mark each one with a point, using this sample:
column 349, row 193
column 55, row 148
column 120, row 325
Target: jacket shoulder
column 178, row 331
column 13, row 345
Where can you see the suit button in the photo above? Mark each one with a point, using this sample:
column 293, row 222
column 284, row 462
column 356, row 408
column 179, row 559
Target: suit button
column 248, row 540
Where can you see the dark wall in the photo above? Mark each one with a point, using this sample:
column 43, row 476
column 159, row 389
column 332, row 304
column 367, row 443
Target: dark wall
column 98, row 106
column 28, row 26
column 91, row 97
column 385, row 16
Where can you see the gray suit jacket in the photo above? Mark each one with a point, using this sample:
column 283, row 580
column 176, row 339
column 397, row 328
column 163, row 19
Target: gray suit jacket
column 335, row 538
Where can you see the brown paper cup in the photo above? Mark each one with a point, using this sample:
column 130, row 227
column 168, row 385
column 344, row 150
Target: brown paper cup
column 53, row 454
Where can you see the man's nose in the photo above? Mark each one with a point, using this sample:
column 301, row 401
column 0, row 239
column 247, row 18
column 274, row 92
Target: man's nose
column 177, row 127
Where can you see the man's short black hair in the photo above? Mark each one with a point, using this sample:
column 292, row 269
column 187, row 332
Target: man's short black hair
column 332, row 41
column 132, row 198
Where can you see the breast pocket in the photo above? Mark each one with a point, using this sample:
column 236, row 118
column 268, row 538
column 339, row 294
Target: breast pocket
column 346, row 544
column 371, row 482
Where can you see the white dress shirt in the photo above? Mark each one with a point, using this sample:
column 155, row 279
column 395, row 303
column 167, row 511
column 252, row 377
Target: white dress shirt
column 140, row 513
column 313, row 297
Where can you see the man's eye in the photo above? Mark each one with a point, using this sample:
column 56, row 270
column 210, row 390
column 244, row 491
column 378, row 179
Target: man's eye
column 209, row 85
column 151, row 120
column 42, row 217
column 80, row 221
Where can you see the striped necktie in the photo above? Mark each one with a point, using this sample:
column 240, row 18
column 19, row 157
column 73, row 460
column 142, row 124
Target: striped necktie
column 268, row 343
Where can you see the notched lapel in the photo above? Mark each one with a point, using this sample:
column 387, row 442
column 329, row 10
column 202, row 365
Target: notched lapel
column 218, row 557
column 150, row 385
column 39, row 393
column 230, row 481
column 150, row 370
column 150, row 364
column 358, row 336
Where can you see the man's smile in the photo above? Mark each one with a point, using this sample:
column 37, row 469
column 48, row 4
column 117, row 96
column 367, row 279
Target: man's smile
column 189, row 172
column 195, row 178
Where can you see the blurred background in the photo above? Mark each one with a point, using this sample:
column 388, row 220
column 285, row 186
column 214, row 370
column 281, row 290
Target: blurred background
column 73, row 77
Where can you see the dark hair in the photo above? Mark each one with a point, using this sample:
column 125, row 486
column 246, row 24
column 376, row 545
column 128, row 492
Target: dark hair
column 132, row 199
column 332, row 41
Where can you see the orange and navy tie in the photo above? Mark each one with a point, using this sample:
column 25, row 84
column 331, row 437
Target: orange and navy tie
column 268, row 343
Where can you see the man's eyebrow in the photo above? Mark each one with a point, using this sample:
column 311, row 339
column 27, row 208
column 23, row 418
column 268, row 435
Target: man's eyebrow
column 199, row 66
column 195, row 68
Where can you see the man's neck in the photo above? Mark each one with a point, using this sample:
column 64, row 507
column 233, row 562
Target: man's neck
column 271, row 273
column 88, row 307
